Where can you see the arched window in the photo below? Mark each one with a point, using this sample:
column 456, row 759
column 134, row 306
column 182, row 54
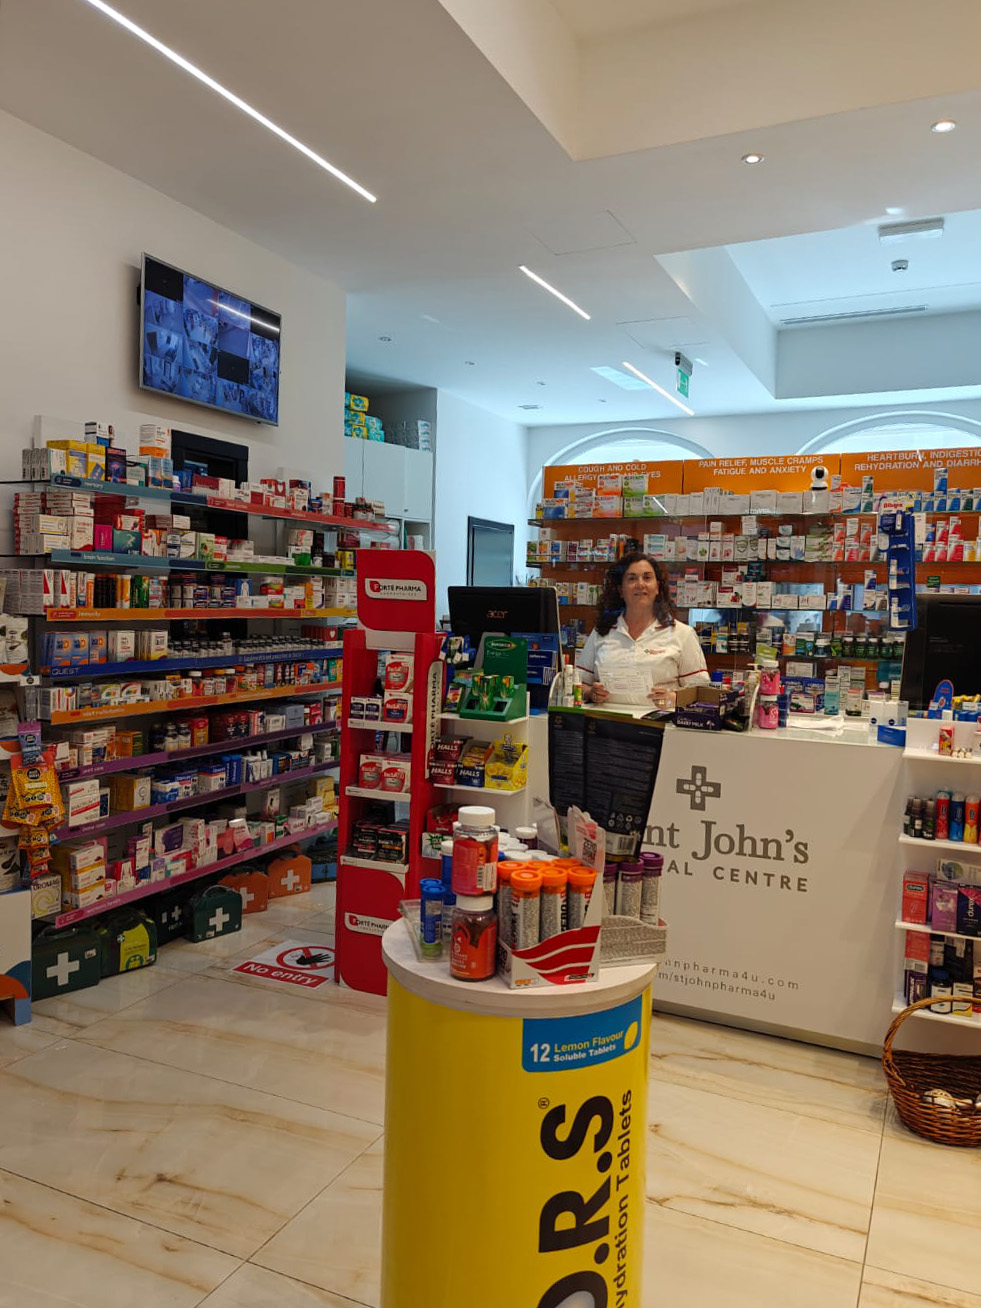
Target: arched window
column 897, row 431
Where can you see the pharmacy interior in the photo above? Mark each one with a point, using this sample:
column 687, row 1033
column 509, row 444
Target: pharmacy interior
column 815, row 805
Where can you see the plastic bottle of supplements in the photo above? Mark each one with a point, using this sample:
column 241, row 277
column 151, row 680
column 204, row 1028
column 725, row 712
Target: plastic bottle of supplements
column 475, row 852
column 553, row 911
column 473, row 950
column 581, row 883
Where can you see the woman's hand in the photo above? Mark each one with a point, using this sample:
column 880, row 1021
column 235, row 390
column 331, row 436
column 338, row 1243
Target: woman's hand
column 598, row 693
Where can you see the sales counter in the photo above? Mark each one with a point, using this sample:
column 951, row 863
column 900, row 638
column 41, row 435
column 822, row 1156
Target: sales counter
column 781, row 881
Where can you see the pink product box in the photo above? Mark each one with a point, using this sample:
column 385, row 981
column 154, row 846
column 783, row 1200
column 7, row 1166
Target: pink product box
column 102, row 536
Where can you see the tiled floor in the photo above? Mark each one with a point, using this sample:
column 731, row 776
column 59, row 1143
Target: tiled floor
column 188, row 1135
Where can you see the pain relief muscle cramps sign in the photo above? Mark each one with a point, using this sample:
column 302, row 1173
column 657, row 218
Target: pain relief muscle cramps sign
column 514, row 1157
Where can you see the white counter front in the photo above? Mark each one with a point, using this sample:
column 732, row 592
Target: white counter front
column 780, row 881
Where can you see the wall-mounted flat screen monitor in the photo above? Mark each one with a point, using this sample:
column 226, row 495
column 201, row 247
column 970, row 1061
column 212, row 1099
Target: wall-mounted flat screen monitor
column 202, row 343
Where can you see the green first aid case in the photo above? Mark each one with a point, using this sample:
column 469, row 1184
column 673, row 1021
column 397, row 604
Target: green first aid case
column 171, row 915
column 128, row 940
column 216, row 911
column 62, row 961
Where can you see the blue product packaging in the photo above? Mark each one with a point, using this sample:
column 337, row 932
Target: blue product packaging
column 446, row 864
column 431, row 916
column 956, row 820
column 233, row 769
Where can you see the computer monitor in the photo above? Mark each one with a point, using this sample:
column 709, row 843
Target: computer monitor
column 945, row 644
column 511, row 610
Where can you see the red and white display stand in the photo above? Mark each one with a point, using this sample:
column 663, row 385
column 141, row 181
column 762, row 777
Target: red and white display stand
column 396, row 612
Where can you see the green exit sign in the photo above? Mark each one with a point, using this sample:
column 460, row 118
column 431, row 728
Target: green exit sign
column 683, row 383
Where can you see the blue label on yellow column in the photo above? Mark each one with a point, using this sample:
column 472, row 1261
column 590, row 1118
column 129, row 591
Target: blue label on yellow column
column 561, row 1044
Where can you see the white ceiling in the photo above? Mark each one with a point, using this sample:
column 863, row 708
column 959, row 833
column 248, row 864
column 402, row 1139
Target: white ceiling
column 589, row 18
column 850, row 270
column 471, row 184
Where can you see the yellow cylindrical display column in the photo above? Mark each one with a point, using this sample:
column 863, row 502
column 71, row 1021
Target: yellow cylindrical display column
column 515, row 1139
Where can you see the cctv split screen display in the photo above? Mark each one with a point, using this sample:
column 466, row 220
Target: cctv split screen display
column 205, row 344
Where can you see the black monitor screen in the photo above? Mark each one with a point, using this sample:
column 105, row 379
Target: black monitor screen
column 476, row 610
column 945, row 645
column 202, row 343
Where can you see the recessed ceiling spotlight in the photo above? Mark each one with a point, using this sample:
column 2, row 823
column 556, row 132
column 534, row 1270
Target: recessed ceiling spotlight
column 944, row 126
column 753, row 158
column 552, row 291
column 894, row 211
column 224, row 92
column 660, row 389
column 703, row 362
column 384, row 338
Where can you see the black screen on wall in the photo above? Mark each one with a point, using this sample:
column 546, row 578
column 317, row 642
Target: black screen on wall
column 202, row 343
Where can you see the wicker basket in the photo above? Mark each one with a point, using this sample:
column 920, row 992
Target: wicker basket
column 911, row 1075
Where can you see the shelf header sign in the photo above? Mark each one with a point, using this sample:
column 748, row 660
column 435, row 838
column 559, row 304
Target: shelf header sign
column 396, row 596
column 741, row 475
column 904, row 470
column 662, row 477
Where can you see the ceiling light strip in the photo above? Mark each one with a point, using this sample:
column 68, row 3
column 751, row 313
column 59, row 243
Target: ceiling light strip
column 552, row 291
column 230, row 96
column 660, row 389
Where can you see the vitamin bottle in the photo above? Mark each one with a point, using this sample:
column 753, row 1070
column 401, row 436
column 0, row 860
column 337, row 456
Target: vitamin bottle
column 475, row 852
column 473, row 951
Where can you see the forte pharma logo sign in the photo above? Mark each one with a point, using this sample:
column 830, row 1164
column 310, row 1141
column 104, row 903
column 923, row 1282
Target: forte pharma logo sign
column 721, row 848
column 389, row 589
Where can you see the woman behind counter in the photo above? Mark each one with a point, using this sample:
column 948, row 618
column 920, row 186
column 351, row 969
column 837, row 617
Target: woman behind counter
column 638, row 638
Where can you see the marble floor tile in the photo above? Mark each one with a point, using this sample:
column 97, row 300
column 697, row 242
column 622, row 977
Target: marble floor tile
column 335, row 1243
column 820, row 1083
column 18, row 1042
column 774, row 1173
column 258, row 932
column 329, row 1055
column 254, row 1287
column 60, row 1252
column 887, row 1290
column 323, row 921
column 81, row 1008
column 927, row 1215
column 689, row 1260
column 212, row 1162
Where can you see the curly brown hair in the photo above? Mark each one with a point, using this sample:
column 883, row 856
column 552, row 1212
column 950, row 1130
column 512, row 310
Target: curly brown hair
column 611, row 601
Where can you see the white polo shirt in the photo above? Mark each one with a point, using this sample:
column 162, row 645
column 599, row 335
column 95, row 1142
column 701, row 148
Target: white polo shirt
column 672, row 653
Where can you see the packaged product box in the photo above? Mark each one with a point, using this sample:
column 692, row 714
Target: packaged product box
column 635, row 485
column 122, row 646
column 608, row 506
column 45, row 896
column 129, row 791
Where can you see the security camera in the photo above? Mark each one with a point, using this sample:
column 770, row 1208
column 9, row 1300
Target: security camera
column 819, row 477
column 900, row 265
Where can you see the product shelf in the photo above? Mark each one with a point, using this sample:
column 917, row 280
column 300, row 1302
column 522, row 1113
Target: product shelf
column 379, row 526
column 145, row 707
column 399, row 727
column 958, row 846
column 134, row 667
column 134, row 816
column 390, row 796
column 157, row 563
column 927, row 930
column 207, row 869
column 494, row 722
column 900, row 1005
column 167, row 615
column 482, row 790
column 932, row 756
column 138, row 761
column 375, row 864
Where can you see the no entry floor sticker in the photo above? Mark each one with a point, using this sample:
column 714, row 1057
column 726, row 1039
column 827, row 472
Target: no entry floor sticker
column 294, row 963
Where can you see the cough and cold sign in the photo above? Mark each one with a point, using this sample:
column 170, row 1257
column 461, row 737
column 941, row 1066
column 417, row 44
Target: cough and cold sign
column 544, row 1126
